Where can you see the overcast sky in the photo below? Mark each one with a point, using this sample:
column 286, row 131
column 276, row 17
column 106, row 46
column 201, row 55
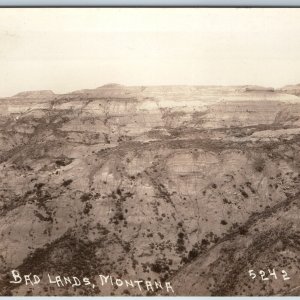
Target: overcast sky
column 68, row 49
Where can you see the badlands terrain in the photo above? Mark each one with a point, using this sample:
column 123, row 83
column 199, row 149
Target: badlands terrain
column 192, row 185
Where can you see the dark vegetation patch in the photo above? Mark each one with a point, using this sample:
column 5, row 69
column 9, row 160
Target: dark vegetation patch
column 39, row 195
column 119, row 196
column 73, row 256
column 249, row 185
column 160, row 266
column 259, row 164
column 67, row 182
column 180, row 245
column 64, row 161
column 42, row 218
column 85, row 197
column 243, row 230
column 245, row 195
column 199, row 248
column 88, row 206
column 39, row 185
column 226, row 201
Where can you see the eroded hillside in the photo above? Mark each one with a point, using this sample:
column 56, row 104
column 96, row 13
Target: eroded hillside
column 191, row 185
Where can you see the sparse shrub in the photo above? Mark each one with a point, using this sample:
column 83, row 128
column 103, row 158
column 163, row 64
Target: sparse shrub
column 193, row 254
column 87, row 208
column 161, row 235
column 60, row 163
column 245, row 195
column 225, row 201
column 243, row 230
column 67, row 182
column 259, row 164
column 268, row 147
column 39, row 185
column 205, row 242
column 85, row 197
column 180, row 242
column 160, row 266
column 126, row 292
column 126, row 246
column 156, row 267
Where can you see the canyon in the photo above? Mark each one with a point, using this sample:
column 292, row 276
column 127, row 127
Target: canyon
column 192, row 185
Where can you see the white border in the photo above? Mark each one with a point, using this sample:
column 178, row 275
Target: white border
column 150, row 3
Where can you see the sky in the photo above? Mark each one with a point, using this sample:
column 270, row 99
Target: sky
column 66, row 49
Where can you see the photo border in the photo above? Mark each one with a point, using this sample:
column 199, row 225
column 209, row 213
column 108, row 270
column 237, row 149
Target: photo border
column 151, row 4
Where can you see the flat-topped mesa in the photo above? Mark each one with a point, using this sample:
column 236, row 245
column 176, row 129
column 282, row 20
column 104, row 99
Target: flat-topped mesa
column 291, row 86
column 109, row 86
column 291, row 89
column 255, row 88
column 35, row 94
column 110, row 91
column 112, row 86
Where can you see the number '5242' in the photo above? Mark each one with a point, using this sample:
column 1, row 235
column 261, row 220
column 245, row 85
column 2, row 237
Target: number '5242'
column 269, row 274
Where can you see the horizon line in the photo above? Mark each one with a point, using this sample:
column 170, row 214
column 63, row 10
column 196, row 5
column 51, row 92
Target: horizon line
column 150, row 85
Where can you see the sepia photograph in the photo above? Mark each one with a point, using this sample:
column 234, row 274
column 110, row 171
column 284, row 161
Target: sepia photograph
column 149, row 151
